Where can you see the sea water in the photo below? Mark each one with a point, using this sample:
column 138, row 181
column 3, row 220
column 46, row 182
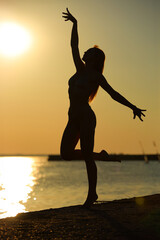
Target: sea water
column 34, row 183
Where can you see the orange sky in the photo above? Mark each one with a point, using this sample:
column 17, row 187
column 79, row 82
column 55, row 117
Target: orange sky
column 34, row 85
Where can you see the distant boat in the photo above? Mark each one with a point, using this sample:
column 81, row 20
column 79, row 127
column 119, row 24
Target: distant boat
column 144, row 155
column 155, row 145
column 146, row 159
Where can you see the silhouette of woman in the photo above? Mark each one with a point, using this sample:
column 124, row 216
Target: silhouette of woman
column 83, row 86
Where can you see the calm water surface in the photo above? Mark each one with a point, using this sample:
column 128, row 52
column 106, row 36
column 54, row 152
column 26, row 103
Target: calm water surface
column 33, row 183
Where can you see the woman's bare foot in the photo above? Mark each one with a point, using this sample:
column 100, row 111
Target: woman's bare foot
column 104, row 156
column 90, row 200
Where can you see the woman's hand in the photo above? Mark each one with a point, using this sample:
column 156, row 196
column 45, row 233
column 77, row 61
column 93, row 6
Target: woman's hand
column 68, row 16
column 138, row 112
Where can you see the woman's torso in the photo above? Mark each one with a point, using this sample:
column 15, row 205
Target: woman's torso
column 81, row 85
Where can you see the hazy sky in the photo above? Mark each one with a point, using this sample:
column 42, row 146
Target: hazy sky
column 34, row 86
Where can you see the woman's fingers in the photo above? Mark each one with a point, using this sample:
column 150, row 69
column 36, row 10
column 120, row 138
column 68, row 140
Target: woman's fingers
column 138, row 113
column 65, row 16
column 68, row 16
column 134, row 116
column 143, row 110
column 66, row 13
column 68, row 10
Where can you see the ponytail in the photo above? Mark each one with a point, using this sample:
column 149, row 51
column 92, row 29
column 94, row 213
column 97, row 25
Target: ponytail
column 99, row 66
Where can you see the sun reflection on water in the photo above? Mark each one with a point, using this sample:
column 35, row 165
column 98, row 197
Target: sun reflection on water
column 16, row 183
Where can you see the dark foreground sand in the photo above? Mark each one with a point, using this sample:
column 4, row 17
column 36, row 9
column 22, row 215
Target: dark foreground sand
column 136, row 218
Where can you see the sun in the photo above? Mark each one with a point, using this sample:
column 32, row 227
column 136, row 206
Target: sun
column 14, row 39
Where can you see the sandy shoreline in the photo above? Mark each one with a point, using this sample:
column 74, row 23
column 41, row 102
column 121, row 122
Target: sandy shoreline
column 135, row 218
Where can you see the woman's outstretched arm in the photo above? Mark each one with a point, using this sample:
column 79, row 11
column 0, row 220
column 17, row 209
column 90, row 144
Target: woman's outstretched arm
column 74, row 41
column 119, row 98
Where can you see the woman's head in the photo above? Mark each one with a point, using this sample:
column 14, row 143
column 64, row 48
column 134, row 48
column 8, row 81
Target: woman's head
column 96, row 57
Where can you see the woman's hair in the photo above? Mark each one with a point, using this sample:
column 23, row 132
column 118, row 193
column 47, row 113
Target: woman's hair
column 99, row 59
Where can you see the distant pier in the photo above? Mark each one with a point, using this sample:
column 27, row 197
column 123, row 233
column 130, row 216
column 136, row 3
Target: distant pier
column 122, row 157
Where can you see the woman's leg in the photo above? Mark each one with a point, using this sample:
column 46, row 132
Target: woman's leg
column 69, row 141
column 87, row 132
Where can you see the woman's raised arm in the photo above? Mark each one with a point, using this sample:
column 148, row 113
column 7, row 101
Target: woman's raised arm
column 74, row 41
